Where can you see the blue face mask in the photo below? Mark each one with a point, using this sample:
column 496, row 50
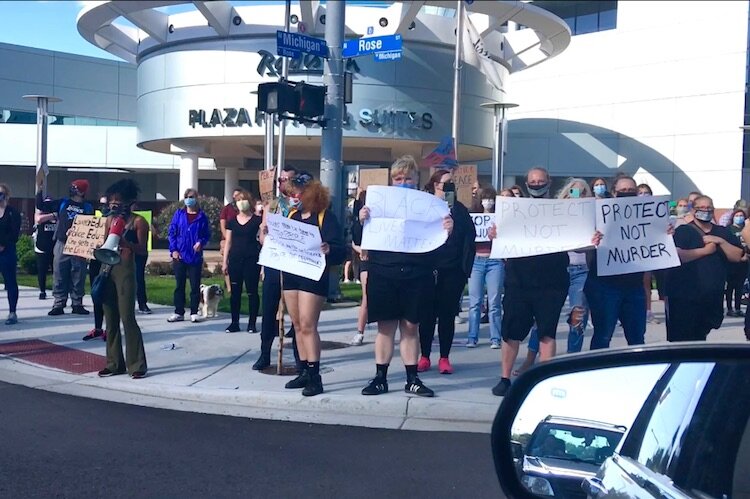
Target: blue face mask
column 2, row 197
column 294, row 202
column 190, row 202
column 600, row 189
column 739, row 221
column 406, row 186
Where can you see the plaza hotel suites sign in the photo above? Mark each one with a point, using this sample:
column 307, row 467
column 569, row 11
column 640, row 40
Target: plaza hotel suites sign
column 372, row 120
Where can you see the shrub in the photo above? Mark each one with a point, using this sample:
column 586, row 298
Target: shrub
column 25, row 252
column 27, row 263
column 218, row 272
column 159, row 268
column 210, row 205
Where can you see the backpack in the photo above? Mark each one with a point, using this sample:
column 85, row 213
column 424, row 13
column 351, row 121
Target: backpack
column 321, row 216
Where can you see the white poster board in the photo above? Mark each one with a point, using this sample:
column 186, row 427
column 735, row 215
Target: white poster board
column 529, row 227
column 482, row 224
column 635, row 235
column 404, row 220
column 293, row 247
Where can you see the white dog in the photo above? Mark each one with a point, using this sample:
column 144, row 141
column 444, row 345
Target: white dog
column 210, row 298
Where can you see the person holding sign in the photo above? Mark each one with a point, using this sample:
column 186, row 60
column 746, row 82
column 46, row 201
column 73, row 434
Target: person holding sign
column 535, row 290
column 69, row 272
column 240, row 261
column 453, row 264
column 119, row 292
column 10, row 231
column 361, row 256
column 304, row 297
column 695, row 289
column 399, row 288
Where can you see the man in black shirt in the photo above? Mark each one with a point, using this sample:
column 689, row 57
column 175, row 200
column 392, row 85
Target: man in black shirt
column 535, row 291
column 695, row 290
column 69, row 272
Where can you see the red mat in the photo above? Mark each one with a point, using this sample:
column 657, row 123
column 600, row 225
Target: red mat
column 56, row 356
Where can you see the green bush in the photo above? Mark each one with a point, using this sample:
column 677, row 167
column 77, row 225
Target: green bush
column 210, row 205
column 25, row 252
column 159, row 268
column 27, row 263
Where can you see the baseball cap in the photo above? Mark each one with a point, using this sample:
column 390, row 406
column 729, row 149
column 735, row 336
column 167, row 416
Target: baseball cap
column 80, row 185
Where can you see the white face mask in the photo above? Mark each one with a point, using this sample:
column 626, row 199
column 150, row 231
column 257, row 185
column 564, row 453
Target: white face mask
column 488, row 204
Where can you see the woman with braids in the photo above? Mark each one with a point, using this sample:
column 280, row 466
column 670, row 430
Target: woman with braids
column 304, row 297
column 119, row 292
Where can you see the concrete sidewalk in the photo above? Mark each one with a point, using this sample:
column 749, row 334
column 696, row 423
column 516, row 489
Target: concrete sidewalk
column 209, row 371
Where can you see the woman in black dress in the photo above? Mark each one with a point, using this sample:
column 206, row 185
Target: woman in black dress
column 241, row 252
column 304, row 297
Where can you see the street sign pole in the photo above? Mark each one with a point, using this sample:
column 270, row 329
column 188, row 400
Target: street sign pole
column 280, row 157
column 42, row 169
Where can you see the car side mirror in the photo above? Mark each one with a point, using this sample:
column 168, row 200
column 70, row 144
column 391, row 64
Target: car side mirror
column 565, row 422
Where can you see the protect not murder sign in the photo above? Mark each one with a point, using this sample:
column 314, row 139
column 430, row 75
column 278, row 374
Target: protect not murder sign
column 635, row 235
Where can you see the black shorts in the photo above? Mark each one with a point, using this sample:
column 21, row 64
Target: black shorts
column 391, row 299
column 523, row 306
column 293, row 282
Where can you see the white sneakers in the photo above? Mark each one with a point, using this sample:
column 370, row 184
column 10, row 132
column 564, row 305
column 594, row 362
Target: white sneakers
column 193, row 317
column 358, row 339
column 175, row 318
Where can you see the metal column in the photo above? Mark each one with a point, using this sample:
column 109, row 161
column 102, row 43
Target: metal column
column 42, row 169
column 280, row 157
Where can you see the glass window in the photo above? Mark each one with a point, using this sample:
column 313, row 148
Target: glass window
column 607, row 19
column 587, row 23
column 671, row 413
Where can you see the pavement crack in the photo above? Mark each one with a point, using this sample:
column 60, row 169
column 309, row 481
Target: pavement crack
column 221, row 368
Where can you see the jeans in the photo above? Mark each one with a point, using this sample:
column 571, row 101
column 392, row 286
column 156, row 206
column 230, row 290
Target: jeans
column 8, row 263
column 492, row 274
column 576, row 298
column 140, row 280
column 609, row 303
column 182, row 271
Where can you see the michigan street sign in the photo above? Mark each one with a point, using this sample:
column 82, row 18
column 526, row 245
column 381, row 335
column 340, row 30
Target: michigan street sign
column 293, row 45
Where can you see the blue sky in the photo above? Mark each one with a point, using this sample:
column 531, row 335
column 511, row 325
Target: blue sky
column 51, row 25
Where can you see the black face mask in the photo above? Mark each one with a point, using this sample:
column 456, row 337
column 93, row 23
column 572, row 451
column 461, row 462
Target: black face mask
column 626, row 194
column 538, row 191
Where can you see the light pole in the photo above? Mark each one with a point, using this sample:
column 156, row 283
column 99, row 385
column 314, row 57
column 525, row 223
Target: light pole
column 498, row 146
column 42, row 169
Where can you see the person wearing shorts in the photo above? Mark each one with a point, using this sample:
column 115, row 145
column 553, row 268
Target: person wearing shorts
column 535, row 290
column 399, row 287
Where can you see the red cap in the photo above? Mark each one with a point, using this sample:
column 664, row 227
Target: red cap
column 81, row 185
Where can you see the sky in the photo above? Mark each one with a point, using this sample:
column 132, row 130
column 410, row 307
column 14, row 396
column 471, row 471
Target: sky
column 51, row 25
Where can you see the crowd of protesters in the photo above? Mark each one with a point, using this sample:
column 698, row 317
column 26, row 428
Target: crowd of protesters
column 412, row 293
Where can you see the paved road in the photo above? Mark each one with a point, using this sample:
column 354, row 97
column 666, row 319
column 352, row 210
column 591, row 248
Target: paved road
column 61, row 446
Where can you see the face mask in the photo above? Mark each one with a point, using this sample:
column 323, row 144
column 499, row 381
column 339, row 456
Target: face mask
column 294, row 202
column 2, row 197
column 538, row 191
column 488, row 204
column 682, row 211
column 74, row 192
column 575, row 193
column 103, row 201
column 690, row 205
column 626, row 194
column 600, row 189
column 704, row 215
column 407, row 186
column 190, row 202
column 243, row 205
column 739, row 221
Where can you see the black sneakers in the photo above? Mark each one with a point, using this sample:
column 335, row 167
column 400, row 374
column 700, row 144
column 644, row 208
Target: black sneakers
column 416, row 387
column 314, row 386
column 376, row 386
column 105, row 373
column 233, row 328
column 252, row 328
column 56, row 311
column 298, row 382
column 501, row 388
column 79, row 310
column 263, row 362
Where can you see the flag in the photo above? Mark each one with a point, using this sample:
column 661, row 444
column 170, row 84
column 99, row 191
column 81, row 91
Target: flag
column 444, row 155
column 475, row 54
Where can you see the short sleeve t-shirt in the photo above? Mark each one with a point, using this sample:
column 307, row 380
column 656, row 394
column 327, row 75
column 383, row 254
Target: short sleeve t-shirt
column 244, row 238
column 704, row 275
column 228, row 213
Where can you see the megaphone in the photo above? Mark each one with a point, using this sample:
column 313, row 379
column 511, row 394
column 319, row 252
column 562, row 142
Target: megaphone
column 109, row 254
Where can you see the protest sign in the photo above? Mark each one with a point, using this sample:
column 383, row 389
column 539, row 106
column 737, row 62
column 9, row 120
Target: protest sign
column 267, row 182
column 528, row 227
column 85, row 235
column 634, row 235
column 482, row 224
column 373, row 176
column 293, row 247
column 464, row 176
column 404, row 220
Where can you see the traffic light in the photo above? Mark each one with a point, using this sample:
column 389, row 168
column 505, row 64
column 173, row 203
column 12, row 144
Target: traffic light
column 277, row 98
column 312, row 100
column 294, row 99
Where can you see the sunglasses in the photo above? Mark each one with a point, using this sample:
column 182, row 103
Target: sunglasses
column 189, row 197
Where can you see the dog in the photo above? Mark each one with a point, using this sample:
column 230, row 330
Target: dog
column 210, row 298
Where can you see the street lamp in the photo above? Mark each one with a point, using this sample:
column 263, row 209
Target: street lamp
column 42, row 169
column 498, row 147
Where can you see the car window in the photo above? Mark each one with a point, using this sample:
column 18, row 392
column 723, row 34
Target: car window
column 574, row 443
column 660, row 436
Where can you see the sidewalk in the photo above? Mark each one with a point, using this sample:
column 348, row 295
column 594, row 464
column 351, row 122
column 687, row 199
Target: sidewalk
column 209, row 371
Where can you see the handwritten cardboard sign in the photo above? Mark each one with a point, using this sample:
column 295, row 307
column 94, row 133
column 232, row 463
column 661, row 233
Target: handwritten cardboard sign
column 293, row 247
column 373, row 176
column 267, row 181
column 85, row 235
column 404, row 220
column 482, row 224
column 528, row 227
column 464, row 176
column 634, row 235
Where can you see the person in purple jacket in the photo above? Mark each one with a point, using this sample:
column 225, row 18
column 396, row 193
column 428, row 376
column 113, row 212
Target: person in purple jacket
column 189, row 233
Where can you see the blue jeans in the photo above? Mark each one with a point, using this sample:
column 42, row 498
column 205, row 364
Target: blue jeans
column 492, row 274
column 608, row 304
column 576, row 298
